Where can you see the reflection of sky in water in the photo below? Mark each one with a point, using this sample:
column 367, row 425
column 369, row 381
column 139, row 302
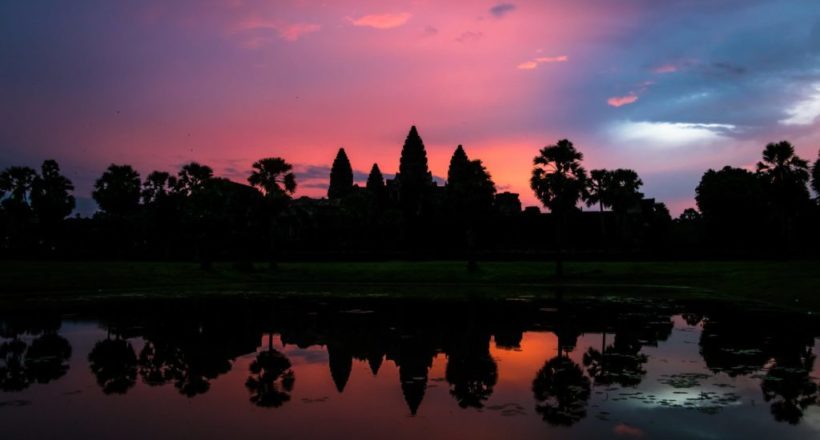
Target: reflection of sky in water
column 678, row 397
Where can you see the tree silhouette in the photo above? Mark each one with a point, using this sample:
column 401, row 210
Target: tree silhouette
column 414, row 178
column 789, row 387
column 470, row 193
column 731, row 202
column 620, row 363
column 117, row 191
column 114, row 364
column 160, row 363
column 193, row 177
column 597, row 192
column 616, row 189
column 785, row 175
column 158, row 186
column 341, row 176
column 471, row 372
column 815, row 177
column 13, row 374
column 15, row 183
column 561, row 391
column 51, row 197
column 271, row 380
column 274, row 177
column 47, row 357
column 559, row 181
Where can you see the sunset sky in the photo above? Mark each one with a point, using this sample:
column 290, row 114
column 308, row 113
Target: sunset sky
column 669, row 88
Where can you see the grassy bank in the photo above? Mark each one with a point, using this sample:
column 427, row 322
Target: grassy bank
column 793, row 284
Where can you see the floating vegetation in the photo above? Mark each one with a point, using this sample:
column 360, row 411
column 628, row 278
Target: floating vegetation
column 683, row 380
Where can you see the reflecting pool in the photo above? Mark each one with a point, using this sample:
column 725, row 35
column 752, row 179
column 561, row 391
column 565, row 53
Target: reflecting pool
column 408, row 369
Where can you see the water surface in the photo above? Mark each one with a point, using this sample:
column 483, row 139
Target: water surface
column 409, row 369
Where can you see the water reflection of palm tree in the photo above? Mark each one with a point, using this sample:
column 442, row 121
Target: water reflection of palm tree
column 271, row 380
column 560, row 387
column 114, row 364
column 472, row 373
column 620, row 363
column 47, row 357
column 789, row 386
column 13, row 375
column 561, row 391
column 160, row 363
column 42, row 361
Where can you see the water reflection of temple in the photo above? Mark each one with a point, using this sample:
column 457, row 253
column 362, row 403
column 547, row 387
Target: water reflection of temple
column 188, row 348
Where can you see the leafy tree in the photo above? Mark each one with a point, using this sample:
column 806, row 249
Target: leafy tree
column 559, row 181
column 15, row 221
column 17, row 182
column 815, row 177
column 731, row 202
column 341, row 176
column 414, row 177
column 117, row 191
column 275, row 178
column 689, row 215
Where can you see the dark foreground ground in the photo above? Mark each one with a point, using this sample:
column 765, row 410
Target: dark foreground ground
column 785, row 284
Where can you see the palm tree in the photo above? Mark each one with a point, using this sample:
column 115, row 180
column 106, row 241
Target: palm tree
column 271, row 380
column 597, row 192
column 559, row 181
column 117, row 191
column 274, row 177
column 786, row 176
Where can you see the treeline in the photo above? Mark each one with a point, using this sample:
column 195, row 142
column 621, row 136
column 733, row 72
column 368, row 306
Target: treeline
column 192, row 214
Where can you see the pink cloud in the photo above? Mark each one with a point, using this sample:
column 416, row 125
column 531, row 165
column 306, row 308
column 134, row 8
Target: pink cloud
column 528, row 65
column 558, row 59
column 666, row 68
column 287, row 31
column 382, row 21
column 293, row 32
column 532, row 64
column 618, row 101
